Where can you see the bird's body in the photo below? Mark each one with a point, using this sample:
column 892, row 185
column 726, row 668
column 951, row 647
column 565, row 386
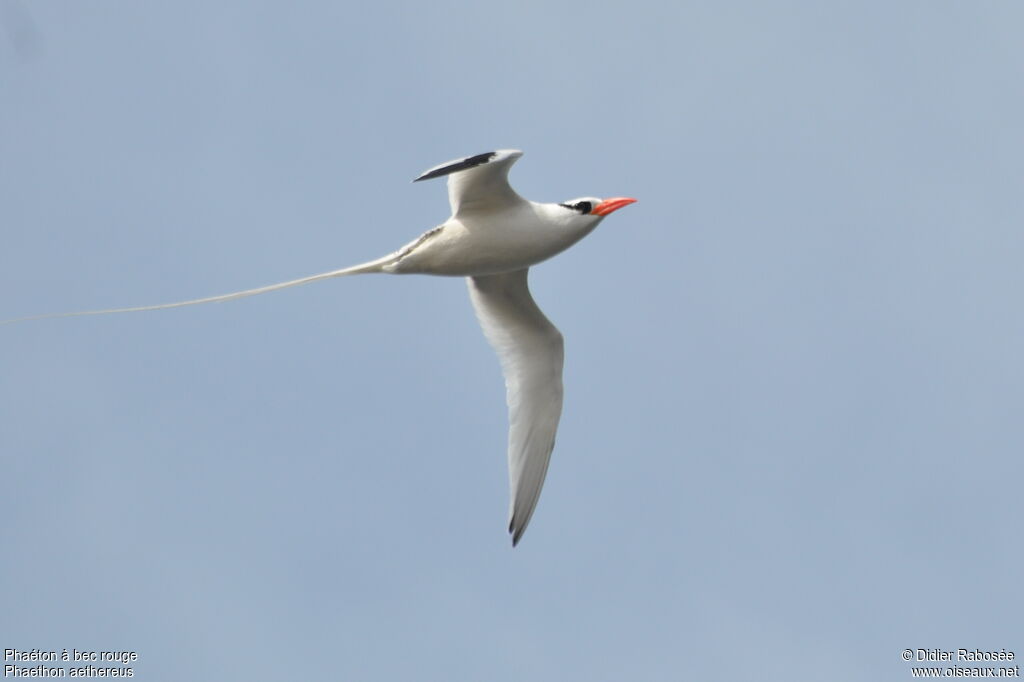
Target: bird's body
column 487, row 243
column 492, row 237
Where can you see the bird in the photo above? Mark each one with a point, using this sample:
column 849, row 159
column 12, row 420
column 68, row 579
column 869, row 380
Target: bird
column 492, row 238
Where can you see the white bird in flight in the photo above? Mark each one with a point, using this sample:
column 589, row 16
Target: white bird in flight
column 492, row 238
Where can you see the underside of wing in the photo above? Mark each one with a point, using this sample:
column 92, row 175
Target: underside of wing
column 531, row 352
column 478, row 182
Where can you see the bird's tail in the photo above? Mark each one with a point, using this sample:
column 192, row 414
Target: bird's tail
column 370, row 267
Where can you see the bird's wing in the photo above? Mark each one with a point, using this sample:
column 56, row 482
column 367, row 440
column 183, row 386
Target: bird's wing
column 530, row 350
column 478, row 182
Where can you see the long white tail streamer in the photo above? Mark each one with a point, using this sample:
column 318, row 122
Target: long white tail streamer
column 372, row 266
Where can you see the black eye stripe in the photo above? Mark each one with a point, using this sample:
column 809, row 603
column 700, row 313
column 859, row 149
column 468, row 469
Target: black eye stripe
column 583, row 207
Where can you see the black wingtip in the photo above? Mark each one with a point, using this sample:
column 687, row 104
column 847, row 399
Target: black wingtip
column 516, row 533
column 455, row 166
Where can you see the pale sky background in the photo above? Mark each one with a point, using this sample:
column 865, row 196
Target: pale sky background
column 794, row 418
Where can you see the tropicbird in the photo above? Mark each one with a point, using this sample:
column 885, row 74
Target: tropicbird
column 492, row 238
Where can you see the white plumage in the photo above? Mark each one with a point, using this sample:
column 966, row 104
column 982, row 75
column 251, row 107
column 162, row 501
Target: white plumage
column 492, row 237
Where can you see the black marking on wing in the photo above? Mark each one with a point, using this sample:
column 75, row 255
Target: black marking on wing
column 460, row 165
column 409, row 248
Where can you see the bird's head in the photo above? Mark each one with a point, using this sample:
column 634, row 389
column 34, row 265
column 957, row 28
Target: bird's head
column 595, row 207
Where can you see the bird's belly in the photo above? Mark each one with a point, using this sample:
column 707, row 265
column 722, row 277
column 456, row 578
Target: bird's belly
column 456, row 250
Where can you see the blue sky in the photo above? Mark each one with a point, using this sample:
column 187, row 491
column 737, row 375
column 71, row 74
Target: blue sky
column 794, row 386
